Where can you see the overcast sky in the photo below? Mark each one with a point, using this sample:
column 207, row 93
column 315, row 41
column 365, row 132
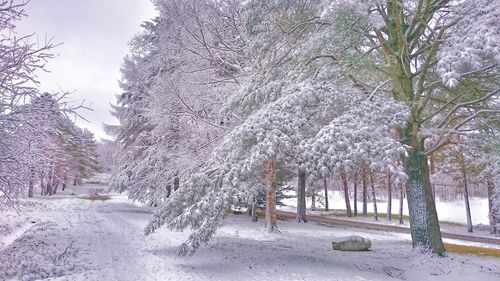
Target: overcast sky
column 94, row 34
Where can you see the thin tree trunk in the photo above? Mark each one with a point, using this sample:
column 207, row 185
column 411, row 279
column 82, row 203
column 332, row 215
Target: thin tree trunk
column 42, row 185
column 271, row 223
column 365, row 190
column 254, row 211
column 176, row 183
column 356, row 195
column 325, row 186
column 389, row 197
column 491, row 194
column 49, row 180
column 75, row 180
column 313, row 200
column 373, row 195
column 466, row 194
column 346, row 194
column 31, row 187
column 64, row 181
column 301, row 196
column 401, row 200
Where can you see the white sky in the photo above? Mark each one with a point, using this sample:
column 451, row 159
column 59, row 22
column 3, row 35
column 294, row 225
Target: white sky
column 94, row 34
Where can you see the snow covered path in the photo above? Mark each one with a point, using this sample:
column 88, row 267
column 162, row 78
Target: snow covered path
column 76, row 239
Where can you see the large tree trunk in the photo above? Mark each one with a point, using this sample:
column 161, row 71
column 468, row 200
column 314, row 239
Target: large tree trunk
column 346, row 194
column 365, row 190
column 389, row 197
column 374, row 197
column 325, row 186
column 356, row 195
column 494, row 220
column 424, row 224
column 271, row 223
column 401, row 202
column 466, row 194
column 301, row 196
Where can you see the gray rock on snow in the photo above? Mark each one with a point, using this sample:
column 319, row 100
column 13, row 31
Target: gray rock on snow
column 351, row 243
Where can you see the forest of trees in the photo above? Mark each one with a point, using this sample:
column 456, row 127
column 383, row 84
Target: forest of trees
column 225, row 102
column 41, row 148
column 229, row 103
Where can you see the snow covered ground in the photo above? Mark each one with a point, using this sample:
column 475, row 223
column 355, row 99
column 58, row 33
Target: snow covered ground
column 68, row 238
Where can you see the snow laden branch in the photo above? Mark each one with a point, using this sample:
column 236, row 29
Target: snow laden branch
column 362, row 136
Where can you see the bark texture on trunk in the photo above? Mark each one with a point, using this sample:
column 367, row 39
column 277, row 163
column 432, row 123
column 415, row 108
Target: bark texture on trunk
column 254, row 211
column 494, row 220
column 271, row 223
column 346, row 194
column 424, row 223
column 301, row 196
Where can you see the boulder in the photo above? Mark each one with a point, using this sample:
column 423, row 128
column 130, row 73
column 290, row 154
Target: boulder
column 351, row 243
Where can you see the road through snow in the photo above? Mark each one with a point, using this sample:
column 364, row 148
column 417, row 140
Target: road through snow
column 74, row 239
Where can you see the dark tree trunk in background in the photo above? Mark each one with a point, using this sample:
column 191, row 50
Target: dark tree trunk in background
column 31, row 187
column 271, row 223
column 254, row 211
column 365, row 190
column 346, row 194
column 389, row 197
column 301, row 196
column 313, row 200
column 494, row 220
column 374, row 197
column 401, row 202
column 466, row 193
column 75, row 180
column 356, row 195
column 49, row 180
column 65, row 179
column 176, row 183
column 325, row 186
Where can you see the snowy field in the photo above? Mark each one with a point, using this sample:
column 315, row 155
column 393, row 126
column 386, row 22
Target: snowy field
column 450, row 211
column 68, row 238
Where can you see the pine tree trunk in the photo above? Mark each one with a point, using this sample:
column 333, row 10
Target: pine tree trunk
column 75, row 180
column 49, row 181
column 271, row 223
column 31, row 187
column 355, row 195
column 301, row 196
column 325, row 186
column 491, row 201
column 254, row 211
column 389, row 197
column 401, row 202
column 176, row 183
column 346, row 194
column 313, row 201
column 365, row 190
column 424, row 224
column 374, row 197
column 466, row 194
column 64, row 181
